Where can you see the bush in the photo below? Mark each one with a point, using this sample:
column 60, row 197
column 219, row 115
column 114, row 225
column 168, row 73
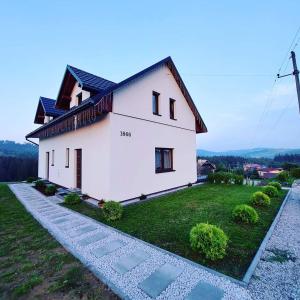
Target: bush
column 50, row 189
column 31, row 179
column 72, row 198
column 277, row 185
column 40, row 184
column 295, row 172
column 209, row 240
column 211, row 177
column 260, row 199
column 245, row 214
column 283, row 176
column 112, row 210
column 271, row 191
column 238, row 179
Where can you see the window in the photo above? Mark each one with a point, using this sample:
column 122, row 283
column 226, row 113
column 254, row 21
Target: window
column 163, row 160
column 52, row 159
column 67, row 157
column 79, row 98
column 155, row 103
column 172, row 109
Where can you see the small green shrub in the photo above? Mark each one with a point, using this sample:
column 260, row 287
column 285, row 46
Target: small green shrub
column 260, row 199
column 271, row 191
column 72, row 198
column 283, row 176
column 295, row 172
column 245, row 214
column 209, row 240
column 50, row 189
column 238, row 179
column 40, row 184
column 211, row 178
column 31, row 179
column 277, row 185
column 112, row 210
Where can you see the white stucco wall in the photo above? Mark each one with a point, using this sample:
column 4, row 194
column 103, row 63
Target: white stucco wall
column 94, row 141
column 133, row 163
column 76, row 90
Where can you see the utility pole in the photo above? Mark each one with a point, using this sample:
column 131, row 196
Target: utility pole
column 296, row 74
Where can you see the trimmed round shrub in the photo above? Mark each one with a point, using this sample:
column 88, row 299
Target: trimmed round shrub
column 112, row 210
column 271, row 191
column 245, row 214
column 277, row 185
column 260, row 199
column 50, row 189
column 209, row 240
column 30, row 179
column 40, row 184
column 72, row 198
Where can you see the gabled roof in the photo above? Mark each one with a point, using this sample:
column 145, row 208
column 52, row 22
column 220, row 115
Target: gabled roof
column 46, row 107
column 103, row 88
column 89, row 81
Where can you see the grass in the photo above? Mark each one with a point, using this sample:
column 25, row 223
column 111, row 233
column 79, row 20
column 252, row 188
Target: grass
column 167, row 221
column 33, row 265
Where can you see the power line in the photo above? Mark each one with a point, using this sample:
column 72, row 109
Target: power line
column 228, row 75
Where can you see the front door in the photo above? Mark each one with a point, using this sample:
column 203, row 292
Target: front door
column 47, row 165
column 78, row 168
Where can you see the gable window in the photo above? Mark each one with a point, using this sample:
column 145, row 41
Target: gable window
column 163, row 160
column 155, row 103
column 67, row 157
column 79, row 98
column 172, row 109
column 52, row 158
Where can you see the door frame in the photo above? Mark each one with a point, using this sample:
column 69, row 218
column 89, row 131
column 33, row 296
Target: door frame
column 47, row 165
column 78, row 170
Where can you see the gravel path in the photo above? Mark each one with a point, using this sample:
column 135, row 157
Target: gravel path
column 130, row 267
column 277, row 275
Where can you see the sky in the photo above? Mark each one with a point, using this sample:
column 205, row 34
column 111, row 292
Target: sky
column 227, row 52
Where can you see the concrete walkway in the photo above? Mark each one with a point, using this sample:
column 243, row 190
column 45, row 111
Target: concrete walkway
column 132, row 268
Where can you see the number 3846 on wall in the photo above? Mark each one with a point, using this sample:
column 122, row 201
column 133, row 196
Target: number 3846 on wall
column 125, row 133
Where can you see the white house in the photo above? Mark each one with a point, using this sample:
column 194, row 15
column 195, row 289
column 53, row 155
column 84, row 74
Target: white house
column 116, row 141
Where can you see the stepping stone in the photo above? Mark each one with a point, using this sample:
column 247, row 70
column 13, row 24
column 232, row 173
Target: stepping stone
column 158, row 281
column 92, row 239
column 83, row 230
column 72, row 225
column 110, row 247
column 128, row 262
column 55, row 216
column 205, row 291
column 62, row 220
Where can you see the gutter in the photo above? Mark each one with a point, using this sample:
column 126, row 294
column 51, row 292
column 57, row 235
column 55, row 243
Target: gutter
column 28, row 140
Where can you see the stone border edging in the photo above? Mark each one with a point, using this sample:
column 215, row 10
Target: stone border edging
column 255, row 260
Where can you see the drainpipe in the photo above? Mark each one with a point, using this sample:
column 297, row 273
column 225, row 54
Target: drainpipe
column 28, row 140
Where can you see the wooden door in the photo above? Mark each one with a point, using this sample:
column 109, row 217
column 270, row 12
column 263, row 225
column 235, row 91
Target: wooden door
column 47, row 165
column 78, row 168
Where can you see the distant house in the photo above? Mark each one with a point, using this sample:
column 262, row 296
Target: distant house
column 268, row 173
column 252, row 167
column 119, row 140
column 204, row 167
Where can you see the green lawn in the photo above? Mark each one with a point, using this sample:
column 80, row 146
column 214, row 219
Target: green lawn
column 33, row 265
column 167, row 221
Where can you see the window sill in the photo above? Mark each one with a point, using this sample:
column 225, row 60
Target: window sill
column 52, row 165
column 156, row 114
column 164, row 171
column 173, row 119
column 66, row 166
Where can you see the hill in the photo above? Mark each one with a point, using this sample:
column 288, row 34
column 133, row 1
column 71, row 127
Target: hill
column 250, row 153
column 13, row 149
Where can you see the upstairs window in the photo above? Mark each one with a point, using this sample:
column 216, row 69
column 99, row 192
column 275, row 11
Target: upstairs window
column 52, row 158
column 67, row 157
column 172, row 109
column 79, row 98
column 163, row 160
column 155, row 103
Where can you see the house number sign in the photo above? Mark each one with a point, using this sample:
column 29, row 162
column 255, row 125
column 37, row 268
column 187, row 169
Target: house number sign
column 125, row 133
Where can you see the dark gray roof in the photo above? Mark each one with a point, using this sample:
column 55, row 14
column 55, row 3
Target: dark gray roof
column 89, row 81
column 49, row 107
